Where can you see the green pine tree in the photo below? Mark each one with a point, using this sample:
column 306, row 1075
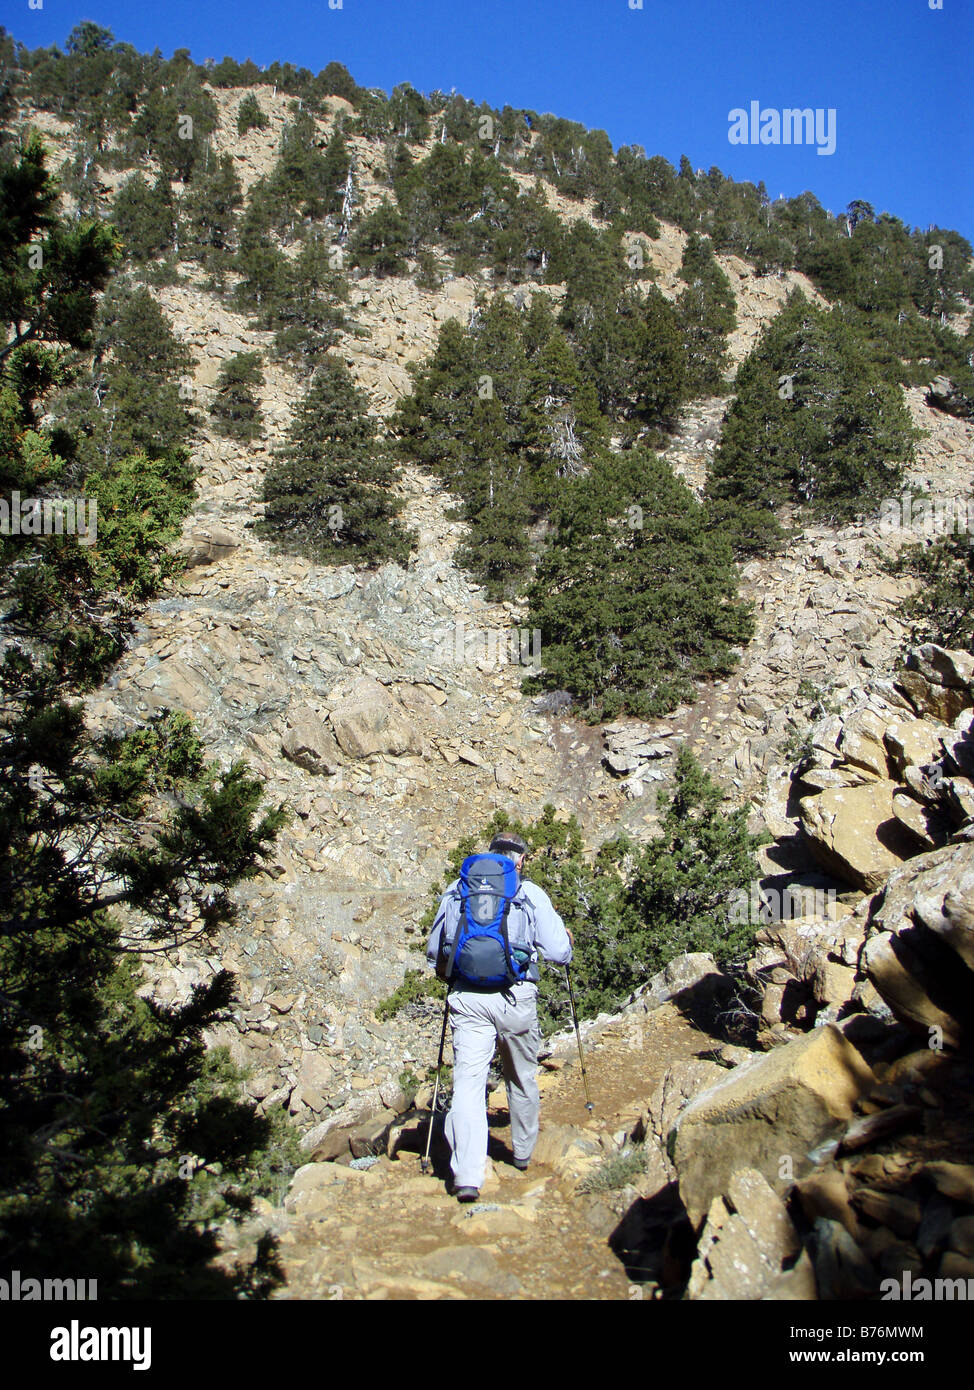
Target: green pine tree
column 941, row 608
column 813, row 424
column 472, row 419
column 210, row 211
column 635, row 599
column 705, row 311
column 145, row 217
column 174, row 125
column 251, row 115
column 329, row 492
column 259, row 262
column 236, row 409
column 305, row 183
column 125, row 1144
column 379, row 244
column 564, row 425
column 306, row 307
column 39, row 296
column 629, row 345
column 137, row 393
column 682, row 884
column 496, row 550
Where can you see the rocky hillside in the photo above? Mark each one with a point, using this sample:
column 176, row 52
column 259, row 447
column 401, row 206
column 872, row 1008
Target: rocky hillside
column 345, row 691
column 832, row 1158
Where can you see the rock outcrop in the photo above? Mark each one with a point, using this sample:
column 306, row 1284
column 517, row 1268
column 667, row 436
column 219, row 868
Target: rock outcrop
column 898, row 826
column 770, row 1113
column 919, row 944
column 749, row 1248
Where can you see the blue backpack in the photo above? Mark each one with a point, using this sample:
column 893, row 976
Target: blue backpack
column 481, row 953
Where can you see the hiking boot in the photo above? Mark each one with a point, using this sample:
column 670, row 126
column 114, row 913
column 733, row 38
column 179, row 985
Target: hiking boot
column 467, row 1194
column 521, row 1163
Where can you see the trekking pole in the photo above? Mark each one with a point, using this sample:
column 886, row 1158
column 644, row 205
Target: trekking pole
column 436, row 1087
column 578, row 1038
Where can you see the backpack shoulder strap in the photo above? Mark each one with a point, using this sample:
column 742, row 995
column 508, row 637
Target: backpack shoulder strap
column 454, row 895
column 522, row 900
column 448, row 946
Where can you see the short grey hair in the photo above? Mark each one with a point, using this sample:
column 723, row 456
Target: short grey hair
column 509, row 844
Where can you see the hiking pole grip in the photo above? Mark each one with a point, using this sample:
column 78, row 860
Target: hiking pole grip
column 436, row 1085
column 578, row 1038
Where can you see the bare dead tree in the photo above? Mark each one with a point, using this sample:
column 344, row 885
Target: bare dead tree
column 565, row 445
column 349, row 201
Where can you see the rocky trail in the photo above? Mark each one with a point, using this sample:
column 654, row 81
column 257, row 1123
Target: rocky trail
column 385, row 1230
column 587, row 1222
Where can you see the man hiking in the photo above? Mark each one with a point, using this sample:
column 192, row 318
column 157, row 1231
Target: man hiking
column 490, row 929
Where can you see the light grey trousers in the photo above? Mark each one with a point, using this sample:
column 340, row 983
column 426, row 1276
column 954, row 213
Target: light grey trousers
column 478, row 1022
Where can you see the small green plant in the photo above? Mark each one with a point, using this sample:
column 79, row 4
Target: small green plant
column 617, row 1171
column 428, row 276
column 941, row 607
column 797, row 746
column 815, row 699
column 409, row 1083
column 279, row 1161
column 417, row 986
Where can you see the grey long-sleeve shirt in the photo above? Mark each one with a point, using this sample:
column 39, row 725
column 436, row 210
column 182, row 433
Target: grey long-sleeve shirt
column 535, row 925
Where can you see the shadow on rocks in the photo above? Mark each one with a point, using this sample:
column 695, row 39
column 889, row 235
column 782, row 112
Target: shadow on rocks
column 655, row 1242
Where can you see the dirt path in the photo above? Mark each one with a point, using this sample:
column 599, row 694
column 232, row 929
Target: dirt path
column 388, row 1232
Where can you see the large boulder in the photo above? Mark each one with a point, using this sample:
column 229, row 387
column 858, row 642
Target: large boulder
column 315, row 1187
column 370, row 1136
column 861, row 743
column 570, row 1152
column 919, row 951
column 207, row 546
column 913, row 742
column 769, row 1113
column 938, row 682
column 749, row 1248
column 677, row 1087
column 958, row 745
column 175, row 684
column 692, row 974
column 329, row 1137
column 929, row 826
column 855, row 834
column 310, row 744
column 952, row 669
column 369, row 720
column 943, row 395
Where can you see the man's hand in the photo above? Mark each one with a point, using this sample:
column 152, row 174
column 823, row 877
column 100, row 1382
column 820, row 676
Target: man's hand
column 571, row 939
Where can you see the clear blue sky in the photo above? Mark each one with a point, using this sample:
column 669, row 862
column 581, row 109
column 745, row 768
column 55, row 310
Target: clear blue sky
column 896, row 72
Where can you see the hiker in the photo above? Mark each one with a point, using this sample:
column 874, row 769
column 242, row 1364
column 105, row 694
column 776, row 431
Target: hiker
column 486, row 944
